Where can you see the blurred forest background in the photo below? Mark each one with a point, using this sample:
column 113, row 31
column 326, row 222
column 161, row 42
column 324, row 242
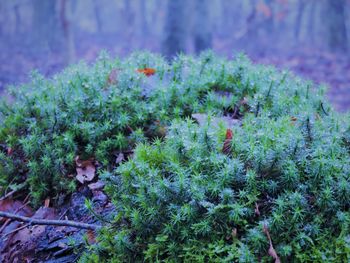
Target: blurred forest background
column 309, row 37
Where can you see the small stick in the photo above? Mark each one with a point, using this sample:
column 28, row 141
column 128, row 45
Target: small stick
column 16, row 230
column 35, row 221
column 11, row 193
column 8, row 194
column 324, row 111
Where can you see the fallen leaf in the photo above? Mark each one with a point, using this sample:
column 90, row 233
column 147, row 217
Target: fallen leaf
column 86, row 170
column 272, row 252
column 9, row 205
column 47, row 202
column 226, row 149
column 91, row 238
column 31, row 233
column 147, row 71
column 96, row 186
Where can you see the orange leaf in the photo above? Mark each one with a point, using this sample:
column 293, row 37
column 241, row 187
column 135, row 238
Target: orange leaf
column 226, row 149
column 147, row 71
column 229, row 134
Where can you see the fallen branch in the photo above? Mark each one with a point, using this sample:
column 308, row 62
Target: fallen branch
column 15, row 230
column 35, row 221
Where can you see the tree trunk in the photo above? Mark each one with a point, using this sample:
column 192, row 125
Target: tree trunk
column 128, row 25
column 97, row 15
column 300, row 12
column 202, row 26
column 336, row 27
column 18, row 20
column 311, row 22
column 65, row 16
column 174, row 30
column 46, row 27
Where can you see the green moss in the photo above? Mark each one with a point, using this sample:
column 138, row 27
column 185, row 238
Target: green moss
column 180, row 198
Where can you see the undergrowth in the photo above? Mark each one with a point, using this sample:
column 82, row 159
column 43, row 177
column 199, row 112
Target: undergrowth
column 282, row 186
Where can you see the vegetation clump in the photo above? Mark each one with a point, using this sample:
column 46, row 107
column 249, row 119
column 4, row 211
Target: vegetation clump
column 277, row 188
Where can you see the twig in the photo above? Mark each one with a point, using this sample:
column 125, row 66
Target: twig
column 269, row 91
column 16, row 230
column 12, row 192
column 324, row 111
column 8, row 194
column 35, row 221
column 257, row 109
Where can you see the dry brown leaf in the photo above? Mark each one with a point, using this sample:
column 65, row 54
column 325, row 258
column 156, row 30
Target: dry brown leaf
column 86, row 170
column 9, row 205
column 30, row 233
column 91, row 236
column 272, row 252
column 226, row 149
column 96, row 186
column 47, row 202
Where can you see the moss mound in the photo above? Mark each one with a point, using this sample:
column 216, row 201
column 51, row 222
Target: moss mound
column 279, row 188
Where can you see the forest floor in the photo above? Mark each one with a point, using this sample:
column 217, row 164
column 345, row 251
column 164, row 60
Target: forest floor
column 17, row 61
